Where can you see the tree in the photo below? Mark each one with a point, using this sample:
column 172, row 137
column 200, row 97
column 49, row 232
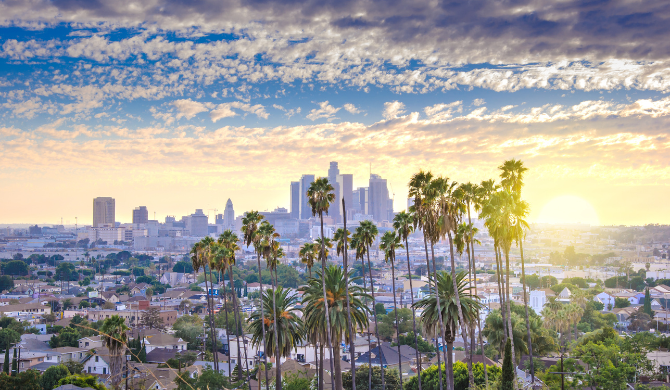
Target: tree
column 391, row 379
column 151, row 318
column 507, row 380
column 189, row 328
column 183, row 267
column 429, row 377
column 113, row 332
column 74, row 366
column 16, row 268
column 66, row 271
column 68, row 337
column 380, row 309
column 621, row 303
column 27, row 380
column 5, row 365
column 6, row 283
column 15, row 364
column 8, row 337
column 647, row 303
column 52, row 376
column 83, row 381
column 314, row 312
column 417, row 341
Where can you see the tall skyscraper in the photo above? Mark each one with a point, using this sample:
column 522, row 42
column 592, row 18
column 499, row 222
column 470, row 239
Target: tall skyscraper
column 295, row 199
column 104, row 211
column 197, row 223
column 334, row 209
column 140, row 215
column 305, row 208
column 360, row 200
column 345, row 182
column 378, row 198
column 229, row 215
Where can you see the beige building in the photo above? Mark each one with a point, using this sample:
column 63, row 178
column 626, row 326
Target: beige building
column 132, row 316
column 104, row 211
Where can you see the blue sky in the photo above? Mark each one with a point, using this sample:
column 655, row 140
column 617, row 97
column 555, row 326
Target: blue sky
column 137, row 99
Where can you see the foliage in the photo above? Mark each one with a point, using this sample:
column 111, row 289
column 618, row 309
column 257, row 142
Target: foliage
column 27, row 380
column 560, row 287
column 507, row 379
column 621, row 303
column 66, row 271
column 82, row 381
column 8, row 337
column 189, row 328
column 6, row 283
column 430, row 378
column 380, row 309
column 278, row 304
column 391, row 378
column 387, row 323
column 424, row 346
column 183, row 267
column 152, row 318
column 295, row 381
column 52, row 376
column 68, row 337
column 15, row 268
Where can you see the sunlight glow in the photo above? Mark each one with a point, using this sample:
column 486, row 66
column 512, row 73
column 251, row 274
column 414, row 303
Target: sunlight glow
column 568, row 209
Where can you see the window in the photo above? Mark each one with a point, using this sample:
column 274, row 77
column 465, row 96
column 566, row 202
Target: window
column 89, row 370
column 104, row 370
column 97, row 359
column 86, row 345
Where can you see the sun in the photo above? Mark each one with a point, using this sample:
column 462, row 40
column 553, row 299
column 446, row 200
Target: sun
column 568, row 209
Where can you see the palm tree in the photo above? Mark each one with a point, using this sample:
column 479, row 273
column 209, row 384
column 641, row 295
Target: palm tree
column 388, row 243
column 250, row 226
column 342, row 236
column 281, row 323
column 229, row 241
column 321, row 194
column 200, row 259
column 496, row 335
column 315, row 311
column 403, row 223
column 422, row 212
column 210, row 246
column 367, row 232
column 308, row 255
column 454, row 301
column 358, row 244
column 113, row 332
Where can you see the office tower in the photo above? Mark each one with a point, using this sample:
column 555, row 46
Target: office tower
column 295, row 199
column 229, row 215
column 305, row 208
column 334, row 209
column 345, row 182
column 140, row 215
column 197, row 223
column 104, row 211
column 360, row 200
column 378, row 198
column 219, row 219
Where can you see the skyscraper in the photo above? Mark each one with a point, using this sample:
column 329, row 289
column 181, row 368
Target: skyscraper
column 140, row 215
column 104, row 211
column 305, row 208
column 196, row 223
column 345, row 182
column 334, row 209
column 295, row 199
column 229, row 215
column 378, row 198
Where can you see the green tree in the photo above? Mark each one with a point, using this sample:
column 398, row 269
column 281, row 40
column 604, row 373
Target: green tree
column 68, row 337
column 151, row 319
column 8, row 336
column 507, row 379
column 113, row 332
column 15, row 364
column 621, row 303
column 189, row 328
column 5, row 365
column 16, row 268
column 27, row 380
column 429, row 377
column 6, row 283
column 74, row 366
column 380, row 309
column 82, row 381
column 183, row 267
column 416, row 341
column 391, row 379
column 52, row 376
column 647, row 303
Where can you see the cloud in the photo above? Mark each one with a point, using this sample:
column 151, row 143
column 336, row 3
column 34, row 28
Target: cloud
column 393, row 109
column 479, row 102
column 352, row 108
column 188, row 108
column 225, row 110
column 325, row 110
column 288, row 112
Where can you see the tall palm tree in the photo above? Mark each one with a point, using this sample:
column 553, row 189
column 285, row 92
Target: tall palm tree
column 358, row 244
column 113, row 332
column 403, row 223
column 422, row 211
column 342, row 236
column 308, row 255
column 450, row 211
column 368, row 232
column 455, row 303
column 389, row 242
column 200, row 257
column 496, row 334
column 210, row 245
column 229, row 240
column 280, row 321
column 250, row 227
column 320, row 195
column 220, row 264
column 315, row 311
column 512, row 179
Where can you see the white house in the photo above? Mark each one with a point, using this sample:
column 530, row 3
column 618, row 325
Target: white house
column 538, row 298
column 97, row 362
column 605, row 299
column 165, row 341
column 253, row 287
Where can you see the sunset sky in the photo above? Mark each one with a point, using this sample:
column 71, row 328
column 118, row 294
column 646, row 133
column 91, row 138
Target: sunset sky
column 178, row 105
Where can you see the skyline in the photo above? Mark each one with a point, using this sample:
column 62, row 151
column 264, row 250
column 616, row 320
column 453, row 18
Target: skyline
column 182, row 106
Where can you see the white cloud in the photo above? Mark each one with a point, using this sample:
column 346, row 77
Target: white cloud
column 393, row 109
column 325, row 110
column 188, row 108
column 225, row 110
column 479, row 102
column 352, row 108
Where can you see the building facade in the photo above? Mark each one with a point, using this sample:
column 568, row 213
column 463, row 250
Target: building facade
column 104, row 211
column 140, row 215
column 295, row 199
column 305, row 208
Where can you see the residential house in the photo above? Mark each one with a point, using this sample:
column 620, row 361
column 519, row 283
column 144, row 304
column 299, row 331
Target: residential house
column 388, row 356
column 90, row 342
column 254, row 287
column 97, row 362
column 606, row 299
column 23, row 309
column 166, row 341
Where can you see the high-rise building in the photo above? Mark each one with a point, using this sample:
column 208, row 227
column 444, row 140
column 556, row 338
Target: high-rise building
column 295, row 199
column 219, row 219
column 305, row 208
column 359, row 200
column 197, row 223
column 334, row 209
column 378, row 198
column 229, row 215
column 104, row 211
column 345, row 183
column 140, row 215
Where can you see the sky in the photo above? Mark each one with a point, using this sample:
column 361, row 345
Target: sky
column 178, row 105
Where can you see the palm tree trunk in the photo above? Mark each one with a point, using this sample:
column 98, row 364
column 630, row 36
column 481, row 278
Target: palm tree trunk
column 464, row 332
column 278, row 384
column 338, row 365
column 416, row 336
column 397, row 324
column 215, row 350
column 440, row 332
column 265, row 354
column 374, row 312
column 352, row 335
column 325, row 297
column 479, row 321
column 237, row 332
column 209, row 307
column 321, row 378
column 365, row 286
column 525, row 304
column 501, row 293
column 441, row 320
column 450, row 360
column 225, row 310
column 509, row 313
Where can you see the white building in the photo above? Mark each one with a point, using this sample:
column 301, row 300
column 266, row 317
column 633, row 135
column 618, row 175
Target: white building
column 538, row 299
